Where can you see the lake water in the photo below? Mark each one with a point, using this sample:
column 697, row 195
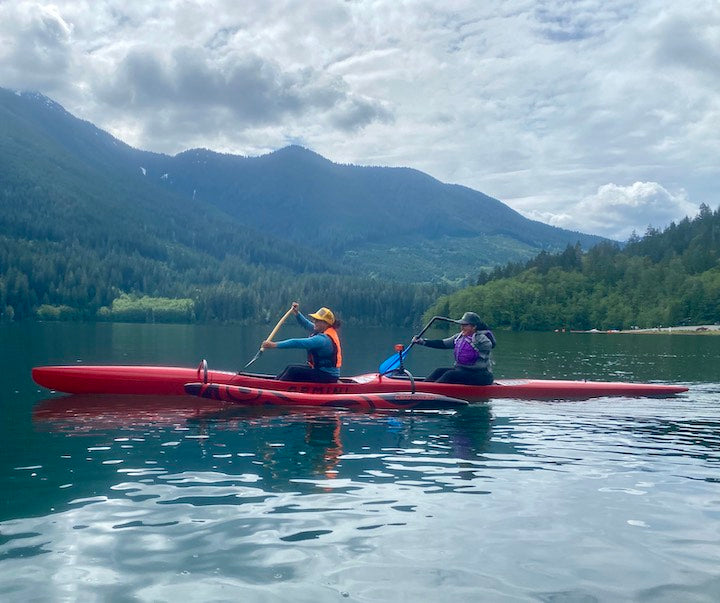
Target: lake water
column 159, row 499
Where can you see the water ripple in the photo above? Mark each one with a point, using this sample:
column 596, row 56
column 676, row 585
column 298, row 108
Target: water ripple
column 622, row 495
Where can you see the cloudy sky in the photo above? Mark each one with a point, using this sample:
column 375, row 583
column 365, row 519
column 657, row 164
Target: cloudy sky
column 596, row 115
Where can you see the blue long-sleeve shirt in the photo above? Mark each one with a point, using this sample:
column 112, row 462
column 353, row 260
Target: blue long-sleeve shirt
column 318, row 341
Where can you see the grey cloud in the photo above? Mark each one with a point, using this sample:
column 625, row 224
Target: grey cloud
column 261, row 91
column 579, row 19
column 358, row 113
column 681, row 43
column 222, row 37
column 139, row 82
column 38, row 52
column 252, row 89
column 536, row 102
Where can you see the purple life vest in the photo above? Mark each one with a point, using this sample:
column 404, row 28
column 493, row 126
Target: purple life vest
column 465, row 352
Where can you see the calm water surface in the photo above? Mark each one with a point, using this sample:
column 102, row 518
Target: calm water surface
column 108, row 498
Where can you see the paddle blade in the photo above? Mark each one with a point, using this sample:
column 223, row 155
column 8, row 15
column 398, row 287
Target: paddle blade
column 255, row 357
column 393, row 362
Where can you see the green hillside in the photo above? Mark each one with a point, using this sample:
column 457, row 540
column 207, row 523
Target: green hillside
column 360, row 214
column 92, row 228
column 666, row 278
column 82, row 227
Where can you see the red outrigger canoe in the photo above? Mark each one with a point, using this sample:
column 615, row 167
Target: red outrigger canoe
column 167, row 380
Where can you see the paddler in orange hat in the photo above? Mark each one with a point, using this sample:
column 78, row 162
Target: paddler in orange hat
column 323, row 348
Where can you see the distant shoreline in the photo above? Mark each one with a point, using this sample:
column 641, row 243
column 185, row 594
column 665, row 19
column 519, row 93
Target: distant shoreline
column 683, row 330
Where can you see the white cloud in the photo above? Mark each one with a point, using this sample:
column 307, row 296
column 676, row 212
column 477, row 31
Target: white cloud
column 617, row 211
column 539, row 103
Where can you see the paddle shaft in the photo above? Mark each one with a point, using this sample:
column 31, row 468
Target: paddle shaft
column 269, row 337
column 278, row 325
column 425, row 328
column 390, row 363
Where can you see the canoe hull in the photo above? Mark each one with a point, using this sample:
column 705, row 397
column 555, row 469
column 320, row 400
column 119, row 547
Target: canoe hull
column 164, row 380
column 124, row 379
column 250, row 396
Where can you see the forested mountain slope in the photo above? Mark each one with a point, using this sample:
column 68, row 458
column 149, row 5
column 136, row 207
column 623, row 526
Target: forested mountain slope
column 296, row 193
column 666, row 278
column 81, row 225
column 395, row 222
column 299, row 196
column 87, row 218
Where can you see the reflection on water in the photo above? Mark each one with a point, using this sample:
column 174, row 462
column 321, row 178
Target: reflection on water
column 109, row 498
column 263, row 500
column 236, row 486
column 280, row 446
column 85, row 413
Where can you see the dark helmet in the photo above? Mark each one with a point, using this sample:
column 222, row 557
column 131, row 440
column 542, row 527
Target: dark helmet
column 470, row 318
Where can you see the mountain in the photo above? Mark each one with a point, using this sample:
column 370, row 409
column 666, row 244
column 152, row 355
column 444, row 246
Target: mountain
column 395, row 222
column 64, row 177
column 84, row 233
column 360, row 214
column 87, row 218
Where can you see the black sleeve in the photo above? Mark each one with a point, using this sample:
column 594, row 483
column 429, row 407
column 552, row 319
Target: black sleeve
column 435, row 343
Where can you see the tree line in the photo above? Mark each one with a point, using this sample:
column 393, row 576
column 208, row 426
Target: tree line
column 67, row 281
column 669, row 277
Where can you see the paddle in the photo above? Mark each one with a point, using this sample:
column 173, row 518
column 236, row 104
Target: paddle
column 401, row 370
column 394, row 361
column 269, row 337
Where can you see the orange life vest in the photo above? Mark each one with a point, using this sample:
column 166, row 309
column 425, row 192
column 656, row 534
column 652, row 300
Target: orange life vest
column 335, row 360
